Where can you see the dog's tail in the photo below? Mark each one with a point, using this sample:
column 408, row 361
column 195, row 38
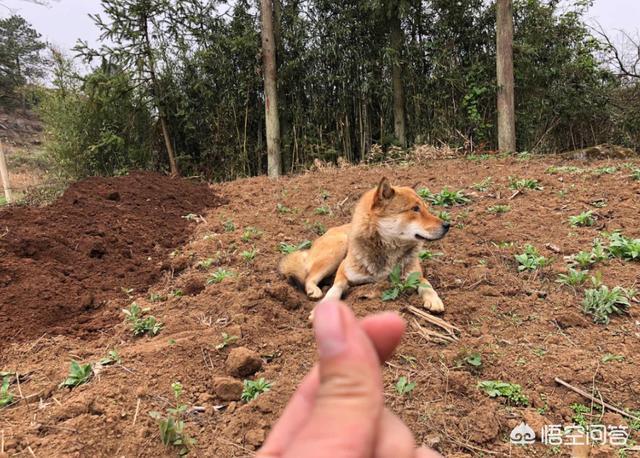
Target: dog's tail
column 294, row 266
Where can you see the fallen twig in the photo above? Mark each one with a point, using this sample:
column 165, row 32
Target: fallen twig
column 596, row 400
column 431, row 335
column 135, row 416
column 451, row 329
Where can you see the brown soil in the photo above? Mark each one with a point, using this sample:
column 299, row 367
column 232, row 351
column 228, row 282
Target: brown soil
column 104, row 239
column 528, row 328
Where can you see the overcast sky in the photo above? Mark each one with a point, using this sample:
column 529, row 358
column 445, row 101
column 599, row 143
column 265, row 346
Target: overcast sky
column 65, row 21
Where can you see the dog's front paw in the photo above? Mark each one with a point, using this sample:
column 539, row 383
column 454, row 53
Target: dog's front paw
column 314, row 292
column 433, row 303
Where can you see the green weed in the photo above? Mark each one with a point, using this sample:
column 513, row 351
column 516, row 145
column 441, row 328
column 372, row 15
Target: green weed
column 219, row 276
column 447, row 198
column 282, row 209
column 553, row 170
column 249, row 255
column 518, row 184
column 497, row 209
column 78, row 375
column 426, row 255
column 112, row 358
column 322, row 210
column 579, row 411
column 287, row 248
column 172, row 426
column 403, row 387
column 474, row 360
column 583, row 219
column 155, row 297
column 531, row 259
column 226, row 341
column 510, row 391
column 399, row 286
column 483, row 185
column 602, row 302
column 623, row 247
column 250, row 233
column 6, row 398
column 608, row 358
column 573, row 277
column 604, row 170
column 253, row 389
column 444, row 215
column 228, row 225
column 141, row 324
column 635, row 174
column 205, row 264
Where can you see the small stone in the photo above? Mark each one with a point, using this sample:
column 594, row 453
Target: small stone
column 255, row 437
column 243, row 362
column 227, row 389
column 113, row 195
column 571, row 319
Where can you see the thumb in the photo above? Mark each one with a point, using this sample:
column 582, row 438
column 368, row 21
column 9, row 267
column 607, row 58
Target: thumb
column 349, row 400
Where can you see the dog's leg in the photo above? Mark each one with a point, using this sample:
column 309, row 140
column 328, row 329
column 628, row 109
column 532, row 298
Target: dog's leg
column 339, row 287
column 430, row 298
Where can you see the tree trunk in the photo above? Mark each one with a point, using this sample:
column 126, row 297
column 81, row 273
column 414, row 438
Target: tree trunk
column 4, row 175
column 274, row 157
column 504, row 67
column 397, row 43
column 173, row 165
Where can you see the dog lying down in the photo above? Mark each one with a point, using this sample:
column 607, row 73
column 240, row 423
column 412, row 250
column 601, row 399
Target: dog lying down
column 389, row 226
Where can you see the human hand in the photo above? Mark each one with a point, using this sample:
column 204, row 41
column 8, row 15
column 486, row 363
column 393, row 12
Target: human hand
column 338, row 410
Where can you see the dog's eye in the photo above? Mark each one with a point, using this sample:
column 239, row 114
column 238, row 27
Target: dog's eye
column 416, row 208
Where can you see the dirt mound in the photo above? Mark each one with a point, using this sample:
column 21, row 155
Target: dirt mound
column 104, row 238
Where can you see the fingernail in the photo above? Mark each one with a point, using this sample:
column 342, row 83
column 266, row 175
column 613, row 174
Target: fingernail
column 329, row 330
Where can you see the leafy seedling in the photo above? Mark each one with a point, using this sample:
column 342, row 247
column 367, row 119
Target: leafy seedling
column 573, row 277
column 603, row 302
column 583, row 219
column 228, row 225
column 403, row 387
column 287, row 248
column 139, row 323
column 249, row 255
column 250, row 233
column 176, row 293
column 172, row 425
column 510, row 391
column 635, row 174
column 6, row 398
column 252, row 389
column 112, row 358
column 608, row 358
column 78, row 375
column 531, row 259
column 425, row 194
column 498, row 209
column 191, row 217
column 518, row 184
column 155, row 297
column 426, row 255
column 282, row 209
column 226, row 341
column 623, row 247
column 322, row 210
column 399, row 286
column 205, row 264
column 579, row 412
column 474, row 360
column 483, row 185
column 447, row 198
column 604, row 170
column 219, row 276
column 444, row 215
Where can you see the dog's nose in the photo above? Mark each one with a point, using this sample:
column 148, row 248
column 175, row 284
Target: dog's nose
column 446, row 225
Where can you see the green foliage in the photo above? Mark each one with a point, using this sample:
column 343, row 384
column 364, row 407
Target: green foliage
column 282, row 209
column 444, row 215
column 474, row 360
column 322, row 210
column 6, row 398
column 249, row 255
column 112, row 358
column 172, row 425
column 96, row 125
column 602, row 302
column 608, row 358
column 531, row 259
column 205, row 264
column 219, row 276
column 426, row 255
column 579, row 414
column 403, row 387
column 553, row 170
column 635, row 174
column 155, row 297
column 498, row 209
column 399, row 286
column 518, row 184
column 510, row 391
column 250, row 233
column 226, row 341
column 228, row 225
column 623, row 247
column 573, row 277
column 583, row 219
column 483, row 185
column 253, row 389
column 139, row 323
column 287, row 248
column 78, row 375
column 444, row 198
column 604, row 170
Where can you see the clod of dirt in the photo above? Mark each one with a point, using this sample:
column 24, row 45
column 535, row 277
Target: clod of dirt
column 113, row 195
column 193, row 287
column 613, row 419
column 227, row 388
column 536, row 421
column 243, row 362
column 285, row 296
column 255, row 437
column 605, row 451
column 571, row 319
column 482, row 423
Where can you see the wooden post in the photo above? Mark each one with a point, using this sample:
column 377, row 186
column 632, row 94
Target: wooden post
column 504, row 67
column 4, row 174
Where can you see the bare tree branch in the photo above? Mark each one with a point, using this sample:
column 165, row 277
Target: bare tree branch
column 624, row 66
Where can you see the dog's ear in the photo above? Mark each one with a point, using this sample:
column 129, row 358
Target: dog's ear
column 415, row 187
column 384, row 191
